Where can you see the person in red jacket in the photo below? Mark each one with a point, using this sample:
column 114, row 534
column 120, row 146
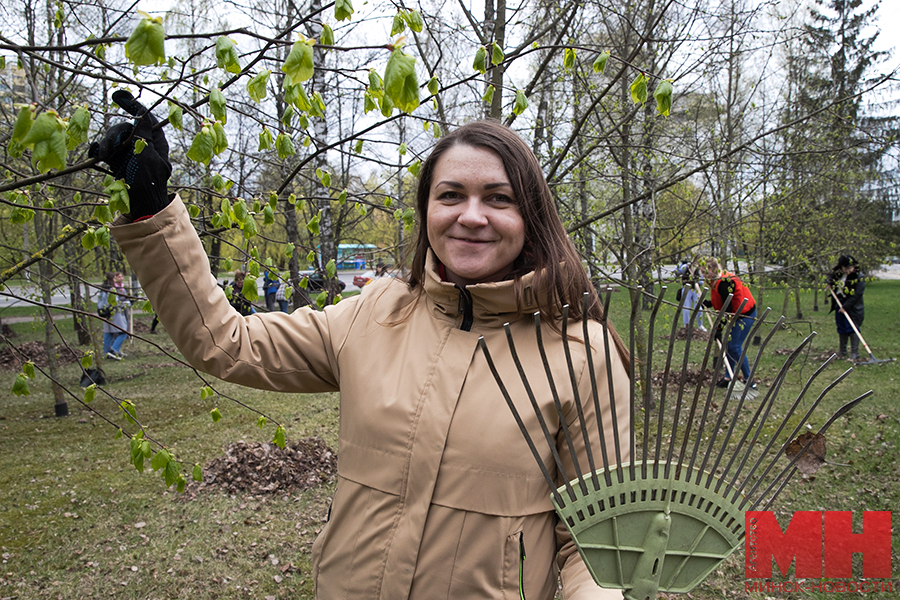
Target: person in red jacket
column 721, row 284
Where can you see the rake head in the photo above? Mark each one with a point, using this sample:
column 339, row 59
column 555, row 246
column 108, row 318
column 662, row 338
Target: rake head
column 663, row 520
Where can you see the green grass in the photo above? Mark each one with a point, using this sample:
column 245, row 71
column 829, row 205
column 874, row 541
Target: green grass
column 76, row 520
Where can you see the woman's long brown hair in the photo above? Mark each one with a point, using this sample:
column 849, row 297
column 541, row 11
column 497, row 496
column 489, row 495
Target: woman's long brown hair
column 548, row 251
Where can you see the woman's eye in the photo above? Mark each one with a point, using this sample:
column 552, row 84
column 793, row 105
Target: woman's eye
column 501, row 199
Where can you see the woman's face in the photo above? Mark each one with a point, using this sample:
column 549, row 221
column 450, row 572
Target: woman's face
column 118, row 279
column 474, row 224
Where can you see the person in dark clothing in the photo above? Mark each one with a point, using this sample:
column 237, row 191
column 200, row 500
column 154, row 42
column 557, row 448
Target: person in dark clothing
column 848, row 285
column 721, row 284
column 237, row 300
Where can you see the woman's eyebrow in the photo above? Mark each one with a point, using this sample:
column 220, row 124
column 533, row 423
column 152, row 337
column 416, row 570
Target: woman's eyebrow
column 487, row 186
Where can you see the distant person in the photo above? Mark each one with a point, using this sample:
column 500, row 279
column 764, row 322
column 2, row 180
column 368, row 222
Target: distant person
column 113, row 304
column 238, row 300
column 691, row 279
column 721, row 284
column 849, row 287
column 270, row 288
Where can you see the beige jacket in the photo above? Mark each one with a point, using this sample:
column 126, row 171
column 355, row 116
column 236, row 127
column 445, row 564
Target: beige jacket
column 438, row 494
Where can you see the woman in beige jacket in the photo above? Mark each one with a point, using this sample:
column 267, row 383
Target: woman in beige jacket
column 438, row 495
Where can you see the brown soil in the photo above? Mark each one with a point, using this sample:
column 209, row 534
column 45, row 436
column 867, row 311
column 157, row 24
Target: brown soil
column 12, row 359
column 697, row 335
column 693, row 378
column 261, row 468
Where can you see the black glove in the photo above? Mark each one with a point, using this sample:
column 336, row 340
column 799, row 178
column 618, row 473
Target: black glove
column 147, row 173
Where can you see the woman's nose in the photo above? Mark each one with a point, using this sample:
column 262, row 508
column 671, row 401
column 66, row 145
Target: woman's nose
column 473, row 213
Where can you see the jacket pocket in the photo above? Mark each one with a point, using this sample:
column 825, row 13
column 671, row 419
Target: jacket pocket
column 514, row 567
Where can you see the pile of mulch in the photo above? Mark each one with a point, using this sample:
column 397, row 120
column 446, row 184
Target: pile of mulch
column 13, row 359
column 693, row 378
column 259, row 468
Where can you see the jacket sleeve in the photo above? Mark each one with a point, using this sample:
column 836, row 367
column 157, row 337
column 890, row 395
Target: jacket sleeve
column 613, row 392
column 854, row 299
column 273, row 351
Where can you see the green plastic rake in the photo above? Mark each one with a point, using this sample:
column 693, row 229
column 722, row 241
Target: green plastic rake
column 666, row 519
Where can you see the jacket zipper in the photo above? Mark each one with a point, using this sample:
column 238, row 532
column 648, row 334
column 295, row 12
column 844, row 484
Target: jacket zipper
column 521, row 566
column 465, row 308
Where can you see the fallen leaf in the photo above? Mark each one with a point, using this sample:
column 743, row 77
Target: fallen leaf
column 814, row 456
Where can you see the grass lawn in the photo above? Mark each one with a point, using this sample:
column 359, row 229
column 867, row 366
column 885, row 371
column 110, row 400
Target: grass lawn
column 78, row 521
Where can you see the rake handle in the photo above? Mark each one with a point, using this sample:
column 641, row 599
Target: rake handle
column 849, row 320
column 718, row 342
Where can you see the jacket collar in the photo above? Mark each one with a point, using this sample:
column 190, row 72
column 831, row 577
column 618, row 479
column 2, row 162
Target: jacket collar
column 492, row 303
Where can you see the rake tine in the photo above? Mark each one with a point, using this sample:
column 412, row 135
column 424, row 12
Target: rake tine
column 709, row 392
column 793, row 434
column 559, row 409
column 665, row 383
column 631, row 374
column 729, row 394
column 537, row 411
column 764, row 407
column 585, row 301
column 689, row 334
column 522, row 428
column 781, row 426
column 577, row 399
column 648, row 391
column 793, row 469
column 737, row 412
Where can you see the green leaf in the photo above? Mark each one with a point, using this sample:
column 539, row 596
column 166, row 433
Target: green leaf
column 358, row 147
column 118, row 197
column 342, row 10
column 88, row 240
column 415, row 168
column 299, row 63
column 342, row 197
column 240, row 212
column 24, row 121
column 325, row 178
column 261, row 422
column 639, row 89
column 569, row 59
column 311, row 257
column 600, row 63
column 436, row 131
column 249, row 289
column 201, row 149
column 265, row 139
column 197, row 473
column 217, row 105
column 369, row 103
column 402, row 149
column 221, row 140
column 278, row 440
column 28, row 369
column 88, row 359
column 180, row 483
column 160, row 460
column 206, row 392
column 327, row 35
column 176, row 116
column 76, row 131
column 268, row 215
column 250, row 230
column 488, row 95
column 145, row 449
column 663, row 95
column 321, row 299
column 20, row 387
column 399, row 24
column 139, row 145
column 480, row 57
column 313, row 224
column 47, row 139
column 521, row 103
column 227, row 56
column 432, row 86
column 256, row 87
column 90, row 392
column 376, row 84
column 414, row 20
column 331, row 268
column 146, row 45
column 170, row 473
column 194, row 211
column 496, row 54
column 128, row 411
column 400, row 82
column 285, row 146
column 215, row 414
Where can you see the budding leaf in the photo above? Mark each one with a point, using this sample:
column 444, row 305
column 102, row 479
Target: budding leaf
column 256, row 87
column 76, row 131
column 47, row 139
column 342, row 10
column 400, row 82
column 299, row 63
column 480, row 56
column 90, row 392
column 176, row 114
column 217, row 105
column 220, row 139
column 215, row 414
column 146, row 45
column 202, row 147
column 496, row 54
column 663, row 95
column 278, row 440
column 398, row 25
column 197, row 474
column 331, row 268
column 488, row 94
column 265, row 139
column 284, row 145
column 415, row 168
column 521, row 102
column 261, row 422
column 600, row 63
column 639, row 89
column 227, row 56
column 414, row 20
column 20, row 387
column 327, row 35
column 139, row 145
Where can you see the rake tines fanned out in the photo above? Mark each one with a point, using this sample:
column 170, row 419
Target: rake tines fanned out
column 664, row 520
